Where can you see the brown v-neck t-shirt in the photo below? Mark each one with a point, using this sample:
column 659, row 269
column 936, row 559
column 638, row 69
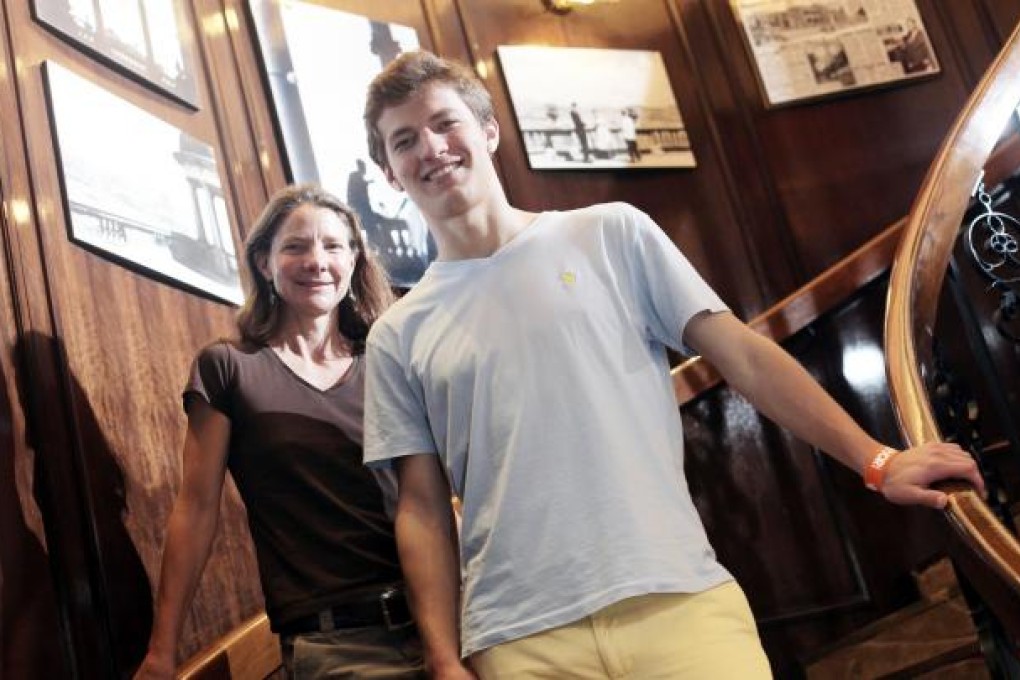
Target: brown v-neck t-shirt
column 318, row 516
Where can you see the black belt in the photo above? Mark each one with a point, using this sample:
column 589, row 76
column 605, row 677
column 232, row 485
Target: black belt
column 388, row 610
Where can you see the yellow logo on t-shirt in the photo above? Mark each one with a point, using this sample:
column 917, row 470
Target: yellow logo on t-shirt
column 569, row 278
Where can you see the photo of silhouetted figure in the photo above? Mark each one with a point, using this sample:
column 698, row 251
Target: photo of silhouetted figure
column 357, row 198
column 628, row 130
column 403, row 254
column 582, row 132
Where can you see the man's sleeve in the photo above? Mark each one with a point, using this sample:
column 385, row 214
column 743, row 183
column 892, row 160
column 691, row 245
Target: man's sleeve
column 396, row 421
column 666, row 289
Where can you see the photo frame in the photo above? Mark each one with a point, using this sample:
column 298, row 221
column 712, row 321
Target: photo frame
column 586, row 108
column 140, row 39
column 804, row 50
column 139, row 191
column 318, row 115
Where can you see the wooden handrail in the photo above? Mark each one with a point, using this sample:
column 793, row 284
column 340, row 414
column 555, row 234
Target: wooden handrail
column 249, row 652
column 988, row 553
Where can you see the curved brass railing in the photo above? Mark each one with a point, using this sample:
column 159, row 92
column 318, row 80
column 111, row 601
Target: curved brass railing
column 985, row 550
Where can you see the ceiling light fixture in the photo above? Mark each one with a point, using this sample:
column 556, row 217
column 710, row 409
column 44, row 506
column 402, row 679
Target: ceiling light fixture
column 565, row 6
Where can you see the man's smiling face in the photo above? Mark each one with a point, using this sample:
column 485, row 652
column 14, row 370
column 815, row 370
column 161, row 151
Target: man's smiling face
column 439, row 152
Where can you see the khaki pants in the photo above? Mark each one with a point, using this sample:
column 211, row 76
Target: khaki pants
column 354, row 653
column 700, row 636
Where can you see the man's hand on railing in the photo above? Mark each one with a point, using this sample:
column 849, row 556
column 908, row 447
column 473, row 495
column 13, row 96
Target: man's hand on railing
column 909, row 474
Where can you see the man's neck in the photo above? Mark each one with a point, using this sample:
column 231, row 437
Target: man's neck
column 479, row 232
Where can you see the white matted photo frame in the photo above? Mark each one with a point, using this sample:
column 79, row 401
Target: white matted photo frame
column 318, row 63
column 588, row 108
column 139, row 191
column 143, row 39
column 803, row 50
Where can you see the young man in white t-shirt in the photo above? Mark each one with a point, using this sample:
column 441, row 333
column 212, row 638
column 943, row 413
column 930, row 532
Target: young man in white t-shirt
column 527, row 374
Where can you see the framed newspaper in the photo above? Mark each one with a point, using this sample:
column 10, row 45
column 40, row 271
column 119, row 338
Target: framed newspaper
column 807, row 49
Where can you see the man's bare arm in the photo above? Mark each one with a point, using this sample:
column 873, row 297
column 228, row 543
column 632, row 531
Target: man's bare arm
column 427, row 543
column 778, row 386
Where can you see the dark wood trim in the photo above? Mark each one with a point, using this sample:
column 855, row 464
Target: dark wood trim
column 760, row 203
column 41, row 379
column 742, row 211
column 801, row 308
column 245, row 188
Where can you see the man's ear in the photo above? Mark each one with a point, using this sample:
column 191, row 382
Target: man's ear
column 391, row 178
column 491, row 128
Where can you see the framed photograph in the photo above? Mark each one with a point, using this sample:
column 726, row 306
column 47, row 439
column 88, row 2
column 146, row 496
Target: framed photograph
column 318, row 63
column 806, row 49
column 140, row 38
column 139, row 191
column 584, row 108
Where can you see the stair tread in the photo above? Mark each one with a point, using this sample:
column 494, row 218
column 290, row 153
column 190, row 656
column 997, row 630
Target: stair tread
column 940, row 625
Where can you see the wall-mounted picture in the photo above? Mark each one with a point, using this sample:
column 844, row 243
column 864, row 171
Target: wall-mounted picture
column 139, row 191
column 585, row 108
column 140, row 38
column 318, row 63
column 806, row 49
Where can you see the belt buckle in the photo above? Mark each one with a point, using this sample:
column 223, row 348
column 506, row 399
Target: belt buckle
column 387, row 596
column 326, row 621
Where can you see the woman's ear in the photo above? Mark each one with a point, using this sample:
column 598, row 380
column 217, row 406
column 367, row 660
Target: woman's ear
column 262, row 263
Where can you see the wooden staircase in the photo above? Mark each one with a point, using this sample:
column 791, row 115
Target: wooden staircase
column 932, row 638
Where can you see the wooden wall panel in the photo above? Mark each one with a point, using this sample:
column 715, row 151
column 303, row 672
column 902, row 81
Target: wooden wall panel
column 844, row 167
column 1001, row 16
column 749, row 186
column 29, row 616
column 40, row 468
column 31, row 644
column 96, row 354
column 107, row 372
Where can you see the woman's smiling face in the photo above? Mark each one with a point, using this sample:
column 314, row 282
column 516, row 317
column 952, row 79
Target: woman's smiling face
column 311, row 261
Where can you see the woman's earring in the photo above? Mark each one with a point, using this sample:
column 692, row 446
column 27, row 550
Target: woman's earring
column 272, row 293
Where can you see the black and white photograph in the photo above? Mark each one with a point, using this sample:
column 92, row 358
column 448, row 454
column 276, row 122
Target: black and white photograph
column 907, row 45
column 139, row 191
column 319, row 62
column 587, row 108
column 141, row 38
column 829, row 62
column 804, row 50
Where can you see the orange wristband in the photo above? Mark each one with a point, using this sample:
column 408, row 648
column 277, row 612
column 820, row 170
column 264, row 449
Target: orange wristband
column 874, row 472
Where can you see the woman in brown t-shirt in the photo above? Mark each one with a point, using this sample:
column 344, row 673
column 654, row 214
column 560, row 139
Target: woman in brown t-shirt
column 281, row 408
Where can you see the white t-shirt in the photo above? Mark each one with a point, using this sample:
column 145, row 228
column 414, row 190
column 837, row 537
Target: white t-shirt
column 540, row 377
